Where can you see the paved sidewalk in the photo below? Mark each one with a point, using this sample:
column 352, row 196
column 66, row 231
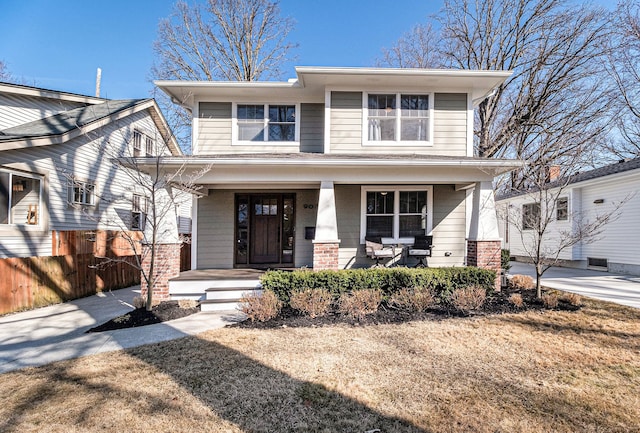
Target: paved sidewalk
column 57, row 332
column 618, row 288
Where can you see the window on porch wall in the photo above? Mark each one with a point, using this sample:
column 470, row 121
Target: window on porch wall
column 385, row 219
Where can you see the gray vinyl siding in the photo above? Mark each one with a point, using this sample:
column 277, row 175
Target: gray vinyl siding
column 351, row 253
column 214, row 134
column 19, row 109
column 215, row 246
column 346, row 122
column 312, row 128
column 84, row 159
column 449, row 226
column 449, row 124
column 216, row 216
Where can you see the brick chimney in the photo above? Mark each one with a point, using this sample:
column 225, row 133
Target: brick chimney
column 553, row 173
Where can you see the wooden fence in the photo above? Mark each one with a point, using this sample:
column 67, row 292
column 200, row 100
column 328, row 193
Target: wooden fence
column 32, row 282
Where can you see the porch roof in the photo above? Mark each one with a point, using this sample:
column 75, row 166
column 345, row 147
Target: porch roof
column 341, row 168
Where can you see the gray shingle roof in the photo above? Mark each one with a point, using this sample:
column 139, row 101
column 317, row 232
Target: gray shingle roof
column 67, row 121
column 607, row 170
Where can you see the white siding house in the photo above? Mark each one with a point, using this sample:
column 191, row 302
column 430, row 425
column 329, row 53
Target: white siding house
column 612, row 189
column 56, row 167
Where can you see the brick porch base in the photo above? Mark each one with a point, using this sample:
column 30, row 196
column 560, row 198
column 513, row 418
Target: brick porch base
column 486, row 255
column 325, row 256
column 167, row 266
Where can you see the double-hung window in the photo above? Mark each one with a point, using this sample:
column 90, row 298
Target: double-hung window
column 530, row 216
column 398, row 117
column 396, row 212
column 266, row 122
column 139, row 205
column 20, row 198
column 562, row 209
column 82, row 193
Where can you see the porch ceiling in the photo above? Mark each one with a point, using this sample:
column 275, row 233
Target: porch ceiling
column 310, row 169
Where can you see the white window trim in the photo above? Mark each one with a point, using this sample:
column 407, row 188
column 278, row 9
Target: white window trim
column 395, row 189
column 29, row 175
column 397, row 142
column 84, row 183
column 234, row 126
column 141, row 209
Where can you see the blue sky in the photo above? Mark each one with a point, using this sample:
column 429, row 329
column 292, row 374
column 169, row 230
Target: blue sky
column 59, row 44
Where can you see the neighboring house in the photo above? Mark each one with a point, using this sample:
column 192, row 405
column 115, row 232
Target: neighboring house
column 581, row 197
column 302, row 171
column 56, row 169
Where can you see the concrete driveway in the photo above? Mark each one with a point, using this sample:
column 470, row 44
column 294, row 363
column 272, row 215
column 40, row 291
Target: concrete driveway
column 57, row 332
column 618, row 288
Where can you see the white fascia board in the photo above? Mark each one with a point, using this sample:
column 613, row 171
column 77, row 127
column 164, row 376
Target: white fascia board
column 18, row 89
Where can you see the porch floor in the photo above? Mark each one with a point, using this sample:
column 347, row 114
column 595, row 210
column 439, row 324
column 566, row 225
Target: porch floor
column 219, row 274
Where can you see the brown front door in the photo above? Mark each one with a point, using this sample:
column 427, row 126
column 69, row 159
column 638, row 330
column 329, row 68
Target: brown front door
column 265, row 229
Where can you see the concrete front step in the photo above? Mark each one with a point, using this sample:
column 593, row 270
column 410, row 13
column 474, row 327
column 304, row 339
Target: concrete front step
column 220, row 299
column 190, row 287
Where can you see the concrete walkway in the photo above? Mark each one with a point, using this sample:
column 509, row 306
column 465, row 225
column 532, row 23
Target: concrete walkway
column 618, row 288
column 57, row 332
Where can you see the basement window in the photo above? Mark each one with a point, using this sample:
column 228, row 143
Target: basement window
column 594, row 262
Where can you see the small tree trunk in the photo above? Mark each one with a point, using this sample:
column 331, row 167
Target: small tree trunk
column 538, row 277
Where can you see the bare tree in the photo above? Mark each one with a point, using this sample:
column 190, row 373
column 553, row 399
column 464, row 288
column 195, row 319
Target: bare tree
column 417, row 48
column 233, row 40
column 554, row 50
column 139, row 203
column 5, row 75
column 624, row 68
column 545, row 222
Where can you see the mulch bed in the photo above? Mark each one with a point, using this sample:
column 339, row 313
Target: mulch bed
column 162, row 312
column 497, row 303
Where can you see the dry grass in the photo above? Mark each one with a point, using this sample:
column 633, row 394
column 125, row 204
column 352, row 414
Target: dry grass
column 530, row 372
column 516, row 299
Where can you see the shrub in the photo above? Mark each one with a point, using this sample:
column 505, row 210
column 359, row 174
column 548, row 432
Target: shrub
column 260, row 307
column 359, row 303
column 521, row 282
column 550, row 300
column 413, row 299
column 139, row 302
column 572, row 298
column 187, row 303
column 505, row 259
column 443, row 281
column 468, row 298
column 516, row 300
column 312, row 302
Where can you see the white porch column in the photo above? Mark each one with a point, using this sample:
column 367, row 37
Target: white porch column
column 326, row 243
column 484, row 244
column 484, row 219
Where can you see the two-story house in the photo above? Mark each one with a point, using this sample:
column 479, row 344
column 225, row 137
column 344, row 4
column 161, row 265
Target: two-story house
column 300, row 172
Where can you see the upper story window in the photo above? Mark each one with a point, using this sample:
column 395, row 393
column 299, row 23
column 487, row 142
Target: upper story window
column 20, row 198
column 398, row 117
column 142, row 141
column 82, row 193
column 266, row 122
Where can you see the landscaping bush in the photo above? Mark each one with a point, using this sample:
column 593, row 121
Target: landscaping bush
column 468, row 299
column 521, row 282
column 443, row 281
column 312, row 302
column 550, row 300
column 505, row 259
column 187, row 303
column 516, row 300
column 413, row 299
column 260, row 307
column 572, row 298
column 359, row 303
column 139, row 302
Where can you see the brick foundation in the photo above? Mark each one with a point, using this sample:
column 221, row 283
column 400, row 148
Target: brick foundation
column 486, row 255
column 325, row 256
column 167, row 266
